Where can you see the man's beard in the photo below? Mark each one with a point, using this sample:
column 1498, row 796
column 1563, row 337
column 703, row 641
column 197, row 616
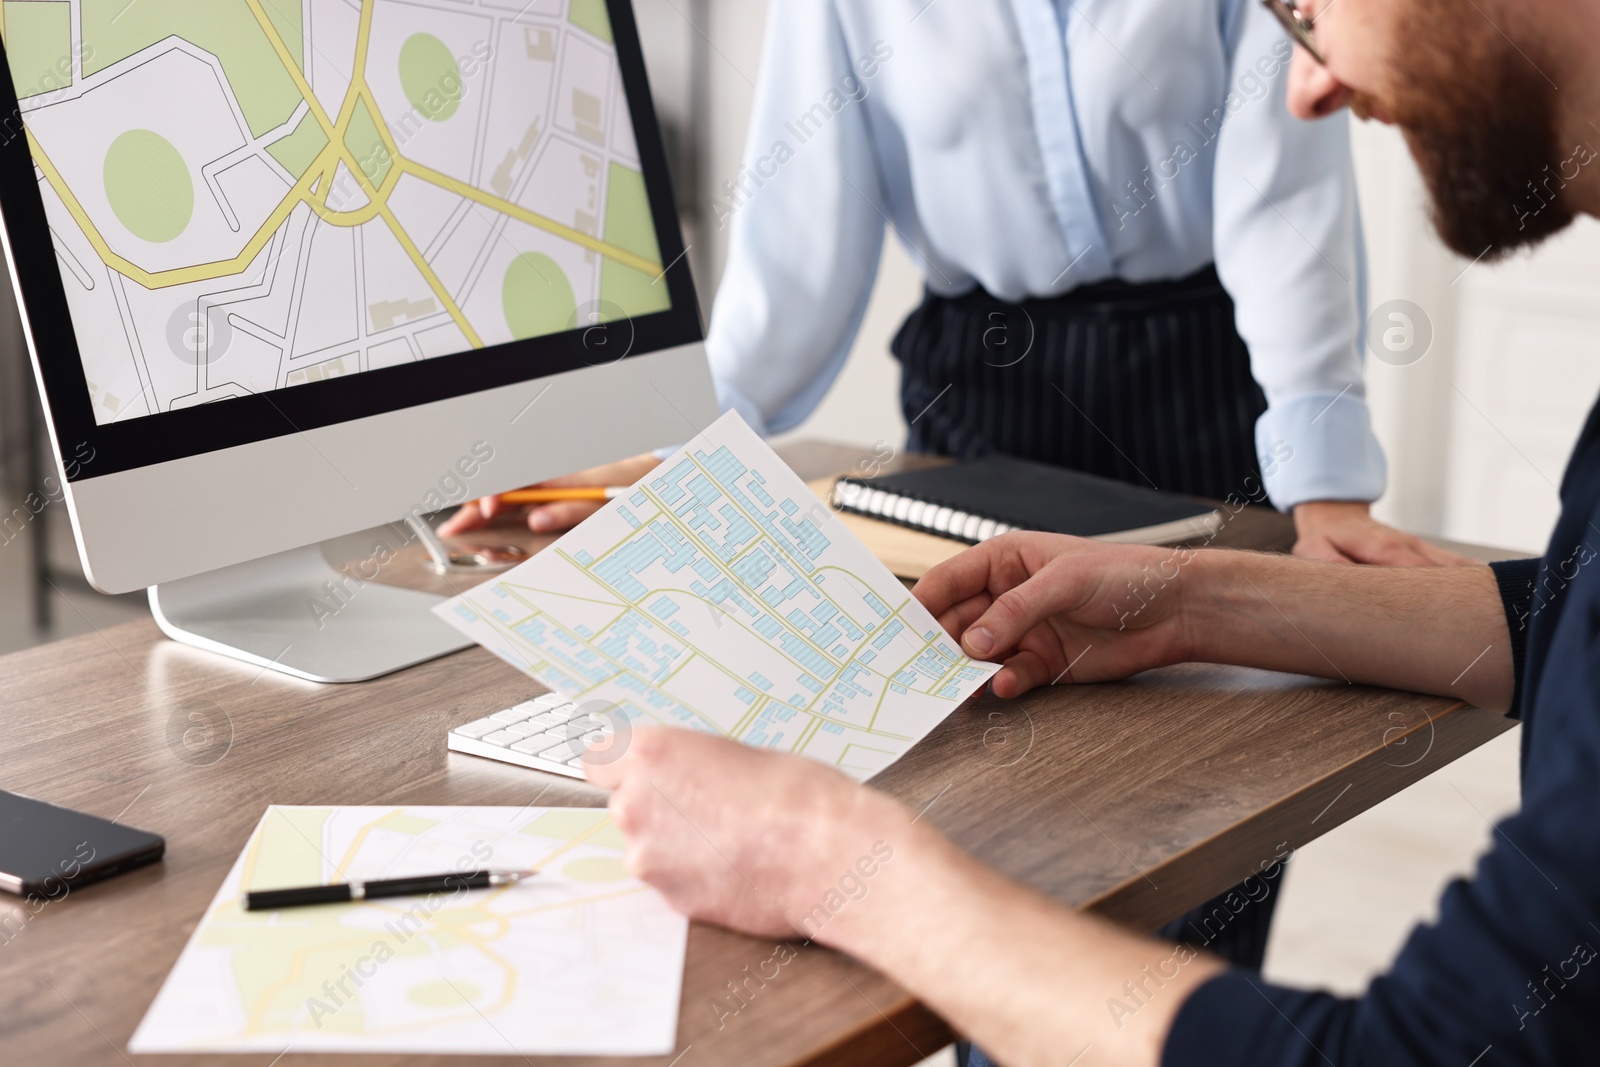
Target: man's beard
column 1480, row 121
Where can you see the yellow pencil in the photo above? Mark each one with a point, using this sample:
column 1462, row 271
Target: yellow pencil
column 601, row 493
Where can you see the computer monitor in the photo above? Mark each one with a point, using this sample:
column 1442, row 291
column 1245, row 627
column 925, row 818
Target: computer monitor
column 290, row 270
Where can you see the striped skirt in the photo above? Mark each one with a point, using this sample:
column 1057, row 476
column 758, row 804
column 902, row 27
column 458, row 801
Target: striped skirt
column 1145, row 383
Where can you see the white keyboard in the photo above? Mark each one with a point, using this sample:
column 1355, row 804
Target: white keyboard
column 548, row 733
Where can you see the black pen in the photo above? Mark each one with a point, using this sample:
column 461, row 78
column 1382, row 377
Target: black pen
column 417, row 885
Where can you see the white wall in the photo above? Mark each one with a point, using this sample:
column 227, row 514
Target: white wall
column 1477, row 430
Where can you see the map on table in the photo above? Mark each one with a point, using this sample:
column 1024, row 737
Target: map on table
column 248, row 195
column 580, row 960
column 721, row 595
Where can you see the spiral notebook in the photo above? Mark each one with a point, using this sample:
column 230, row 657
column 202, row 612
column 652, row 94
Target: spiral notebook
column 984, row 498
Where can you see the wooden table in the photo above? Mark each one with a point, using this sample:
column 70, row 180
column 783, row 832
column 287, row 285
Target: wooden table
column 1138, row 801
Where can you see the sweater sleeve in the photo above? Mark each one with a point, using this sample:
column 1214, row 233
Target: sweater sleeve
column 1508, row 973
column 1515, row 579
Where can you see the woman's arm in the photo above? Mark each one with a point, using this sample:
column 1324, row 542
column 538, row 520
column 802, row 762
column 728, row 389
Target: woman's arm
column 806, row 216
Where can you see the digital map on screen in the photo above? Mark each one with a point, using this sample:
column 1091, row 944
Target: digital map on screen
column 249, row 195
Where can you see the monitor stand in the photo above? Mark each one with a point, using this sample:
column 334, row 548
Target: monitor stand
column 297, row 614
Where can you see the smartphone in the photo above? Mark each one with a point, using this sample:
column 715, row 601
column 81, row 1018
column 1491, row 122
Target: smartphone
column 45, row 851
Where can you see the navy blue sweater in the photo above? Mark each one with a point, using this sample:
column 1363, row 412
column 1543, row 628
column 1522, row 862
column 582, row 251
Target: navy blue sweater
column 1510, row 972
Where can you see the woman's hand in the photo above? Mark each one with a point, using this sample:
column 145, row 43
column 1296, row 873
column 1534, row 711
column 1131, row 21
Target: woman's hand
column 551, row 518
column 1345, row 532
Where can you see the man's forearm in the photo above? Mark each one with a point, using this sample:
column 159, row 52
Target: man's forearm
column 1028, row 980
column 1428, row 629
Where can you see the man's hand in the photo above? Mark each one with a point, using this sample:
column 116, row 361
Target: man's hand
column 1055, row 608
column 779, row 846
column 743, row 837
column 550, row 518
column 1346, row 532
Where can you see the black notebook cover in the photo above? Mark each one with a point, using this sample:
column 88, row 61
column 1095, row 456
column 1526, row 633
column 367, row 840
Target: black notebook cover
column 1035, row 496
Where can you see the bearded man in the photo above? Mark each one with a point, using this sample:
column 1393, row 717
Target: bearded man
column 1506, row 974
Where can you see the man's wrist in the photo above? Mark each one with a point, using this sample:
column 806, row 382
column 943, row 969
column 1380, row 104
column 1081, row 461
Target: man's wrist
column 883, row 884
column 1213, row 600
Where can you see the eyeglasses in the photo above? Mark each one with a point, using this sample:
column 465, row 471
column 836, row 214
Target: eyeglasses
column 1299, row 27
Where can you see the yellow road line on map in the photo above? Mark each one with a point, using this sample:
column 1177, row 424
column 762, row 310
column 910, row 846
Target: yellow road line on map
column 635, row 891
column 291, row 67
column 343, row 866
column 177, row 275
column 430, row 277
column 337, row 132
column 532, row 218
column 572, row 844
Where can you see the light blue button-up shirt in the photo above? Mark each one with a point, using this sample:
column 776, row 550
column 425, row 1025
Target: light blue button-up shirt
column 1030, row 147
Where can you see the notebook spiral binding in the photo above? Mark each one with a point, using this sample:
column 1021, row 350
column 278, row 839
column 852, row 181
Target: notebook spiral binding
column 924, row 514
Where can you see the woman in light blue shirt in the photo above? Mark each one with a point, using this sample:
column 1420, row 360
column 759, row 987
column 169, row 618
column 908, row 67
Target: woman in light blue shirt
column 1065, row 173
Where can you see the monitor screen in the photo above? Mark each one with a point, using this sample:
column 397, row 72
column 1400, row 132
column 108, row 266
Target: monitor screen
column 373, row 204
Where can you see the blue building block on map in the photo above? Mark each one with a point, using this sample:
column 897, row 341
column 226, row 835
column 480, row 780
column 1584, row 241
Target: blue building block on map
column 754, row 569
column 883, row 639
column 583, row 558
column 745, row 695
column 760, row 681
column 667, row 484
column 722, row 464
